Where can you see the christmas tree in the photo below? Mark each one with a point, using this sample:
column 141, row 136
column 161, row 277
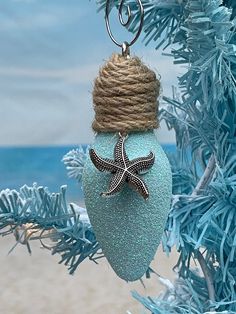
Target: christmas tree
column 200, row 34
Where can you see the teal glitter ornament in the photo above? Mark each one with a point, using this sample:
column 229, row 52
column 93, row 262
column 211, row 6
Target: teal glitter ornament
column 128, row 226
column 127, row 180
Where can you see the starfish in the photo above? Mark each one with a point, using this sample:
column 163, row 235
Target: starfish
column 123, row 169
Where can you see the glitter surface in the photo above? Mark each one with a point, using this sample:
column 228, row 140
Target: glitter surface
column 128, row 228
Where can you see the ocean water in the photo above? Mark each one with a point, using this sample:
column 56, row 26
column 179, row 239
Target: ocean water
column 26, row 165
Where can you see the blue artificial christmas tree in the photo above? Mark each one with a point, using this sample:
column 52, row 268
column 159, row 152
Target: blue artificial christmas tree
column 201, row 223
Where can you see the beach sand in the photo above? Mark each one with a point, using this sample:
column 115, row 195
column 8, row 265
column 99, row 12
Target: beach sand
column 38, row 284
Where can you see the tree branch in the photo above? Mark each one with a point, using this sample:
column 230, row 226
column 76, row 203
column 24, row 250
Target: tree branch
column 206, row 177
column 208, row 276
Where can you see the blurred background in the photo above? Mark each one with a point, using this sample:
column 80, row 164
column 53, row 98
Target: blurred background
column 50, row 54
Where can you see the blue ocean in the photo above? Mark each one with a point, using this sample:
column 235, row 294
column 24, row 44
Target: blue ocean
column 43, row 165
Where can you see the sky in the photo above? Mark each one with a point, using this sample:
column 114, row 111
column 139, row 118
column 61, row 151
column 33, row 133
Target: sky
column 50, row 54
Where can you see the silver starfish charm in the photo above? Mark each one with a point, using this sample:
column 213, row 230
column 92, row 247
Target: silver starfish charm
column 123, row 169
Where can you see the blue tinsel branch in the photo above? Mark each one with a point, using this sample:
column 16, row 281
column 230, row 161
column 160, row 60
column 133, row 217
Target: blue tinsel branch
column 34, row 210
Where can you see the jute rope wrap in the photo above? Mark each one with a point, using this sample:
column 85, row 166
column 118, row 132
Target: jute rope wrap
column 125, row 96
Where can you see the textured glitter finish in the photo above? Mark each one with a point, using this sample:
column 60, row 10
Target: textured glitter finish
column 128, row 228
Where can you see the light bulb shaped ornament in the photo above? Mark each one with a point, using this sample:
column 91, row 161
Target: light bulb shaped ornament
column 127, row 180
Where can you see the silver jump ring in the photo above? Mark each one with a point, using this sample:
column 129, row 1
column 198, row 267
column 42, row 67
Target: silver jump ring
column 125, row 45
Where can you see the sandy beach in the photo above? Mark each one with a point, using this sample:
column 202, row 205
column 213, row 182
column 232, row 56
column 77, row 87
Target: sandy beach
column 38, row 284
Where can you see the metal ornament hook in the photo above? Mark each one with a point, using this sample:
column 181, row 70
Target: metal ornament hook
column 125, row 45
column 125, row 50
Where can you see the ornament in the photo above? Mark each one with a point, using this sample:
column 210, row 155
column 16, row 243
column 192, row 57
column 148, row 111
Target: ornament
column 129, row 217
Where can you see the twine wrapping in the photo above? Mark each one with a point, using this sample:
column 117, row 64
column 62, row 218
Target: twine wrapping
column 125, row 96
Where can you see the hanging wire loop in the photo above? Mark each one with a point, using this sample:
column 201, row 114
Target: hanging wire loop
column 122, row 7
